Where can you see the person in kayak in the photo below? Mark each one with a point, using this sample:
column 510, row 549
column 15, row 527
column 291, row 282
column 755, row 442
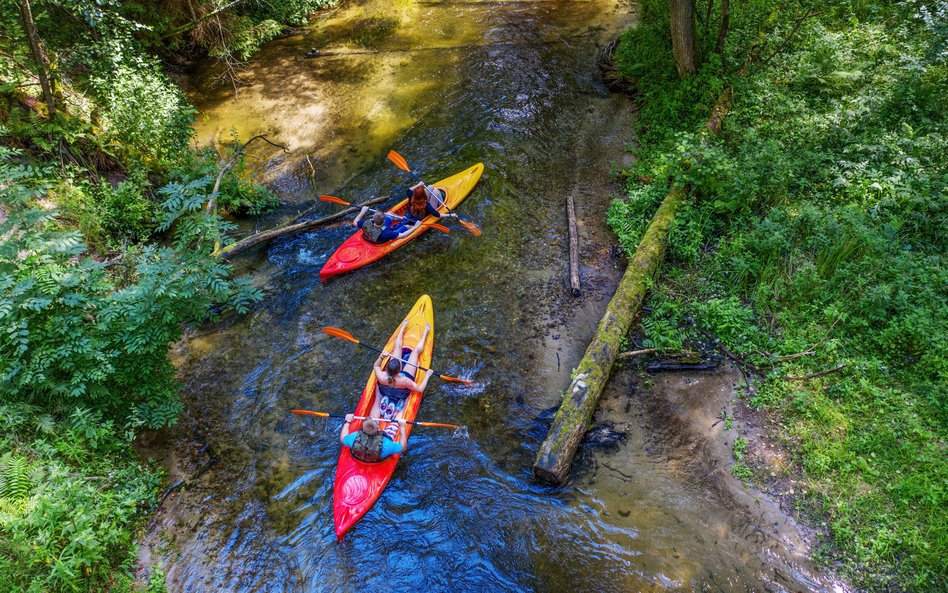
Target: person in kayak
column 381, row 228
column 368, row 444
column 395, row 382
column 419, row 206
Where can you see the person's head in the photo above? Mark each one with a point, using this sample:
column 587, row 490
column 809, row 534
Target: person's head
column 378, row 218
column 370, row 426
column 417, row 202
column 392, row 367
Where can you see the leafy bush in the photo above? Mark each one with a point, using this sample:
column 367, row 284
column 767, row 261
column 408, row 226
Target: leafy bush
column 71, row 332
column 70, row 493
column 817, row 225
column 142, row 109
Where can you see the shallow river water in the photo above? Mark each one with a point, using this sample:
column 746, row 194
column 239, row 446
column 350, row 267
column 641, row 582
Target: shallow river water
column 512, row 84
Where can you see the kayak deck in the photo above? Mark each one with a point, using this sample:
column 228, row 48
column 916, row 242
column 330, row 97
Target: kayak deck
column 356, row 252
column 359, row 484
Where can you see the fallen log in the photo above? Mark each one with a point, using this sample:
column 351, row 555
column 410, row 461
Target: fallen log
column 556, row 454
column 573, row 246
column 246, row 243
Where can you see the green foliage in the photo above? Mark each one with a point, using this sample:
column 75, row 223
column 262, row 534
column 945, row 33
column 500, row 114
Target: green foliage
column 71, row 331
column 817, row 225
column 84, row 344
column 237, row 194
column 108, row 217
column 71, row 496
column 15, row 481
column 245, row 37
column 740, row 448
column 291, row 12
column 141, row 106
column 156, row 580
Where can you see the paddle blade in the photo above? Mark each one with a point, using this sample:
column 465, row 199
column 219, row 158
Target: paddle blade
column 436, row 425
column 334, row 200
column 399, row 161
column 340, row 333
column 440, row 227
column 308, row 413
column 450, row 379
column 470, row 226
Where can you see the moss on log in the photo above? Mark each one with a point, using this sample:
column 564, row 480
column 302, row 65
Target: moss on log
column 556, row 454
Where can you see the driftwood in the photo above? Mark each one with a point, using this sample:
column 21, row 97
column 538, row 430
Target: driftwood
column 573, row 246
column 819, row 374
column 634, row 353
column 556, row 454
column 246, row 243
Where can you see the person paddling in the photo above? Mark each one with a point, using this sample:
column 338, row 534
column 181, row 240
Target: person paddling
column 396, row 381
column 419, row 206
column 368, row 444
column 381, row 228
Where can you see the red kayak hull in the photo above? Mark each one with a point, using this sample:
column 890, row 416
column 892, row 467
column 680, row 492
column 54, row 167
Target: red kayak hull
column 358, row 485
column 356, row 252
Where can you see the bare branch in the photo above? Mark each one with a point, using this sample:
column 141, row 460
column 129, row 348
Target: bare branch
column 820, row 374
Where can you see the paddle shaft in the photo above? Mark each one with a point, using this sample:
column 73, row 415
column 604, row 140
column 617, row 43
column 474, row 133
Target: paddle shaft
column 342, row 202
column 402, row 164
column 343, row 417
column 433, row 192
column 403, row 361
column 344, row 335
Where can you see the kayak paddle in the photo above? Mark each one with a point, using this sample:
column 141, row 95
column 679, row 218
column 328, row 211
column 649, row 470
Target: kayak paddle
column 342, row 202
column 341, row 333
column 402, row 164
column 343, row 417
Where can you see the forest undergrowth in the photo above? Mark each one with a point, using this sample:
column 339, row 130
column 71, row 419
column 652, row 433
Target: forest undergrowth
column 105, row 256
column 812, row 249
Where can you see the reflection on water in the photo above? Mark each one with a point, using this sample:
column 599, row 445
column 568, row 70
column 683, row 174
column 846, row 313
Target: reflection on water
column 511, row 84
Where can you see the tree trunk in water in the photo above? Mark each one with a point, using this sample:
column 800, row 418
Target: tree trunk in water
column 38, row 55
column 591, row 375
column 246, row 243
column 722, row 30
column 683, row 34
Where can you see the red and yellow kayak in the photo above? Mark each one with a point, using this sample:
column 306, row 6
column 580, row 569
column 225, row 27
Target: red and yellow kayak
column 359, row 484
column 356, row 252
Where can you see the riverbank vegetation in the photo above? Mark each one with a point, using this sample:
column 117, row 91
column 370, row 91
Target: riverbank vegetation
column 105, row 253
column 812, row 249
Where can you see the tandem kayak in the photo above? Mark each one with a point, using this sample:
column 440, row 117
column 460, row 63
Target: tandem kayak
column 356, row 252
column 359, row 484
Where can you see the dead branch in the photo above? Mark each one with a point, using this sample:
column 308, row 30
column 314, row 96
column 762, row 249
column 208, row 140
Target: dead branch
column 819, row 374
column 212, row 202
column 633, row 353
column 573, row 246
column 287, row 229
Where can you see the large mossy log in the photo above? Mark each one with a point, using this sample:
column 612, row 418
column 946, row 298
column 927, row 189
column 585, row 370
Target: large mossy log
column 556, row 454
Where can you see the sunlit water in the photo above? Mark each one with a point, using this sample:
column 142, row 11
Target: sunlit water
column 512, row 84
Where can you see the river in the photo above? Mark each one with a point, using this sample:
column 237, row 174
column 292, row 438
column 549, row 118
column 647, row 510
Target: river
column 512, row 84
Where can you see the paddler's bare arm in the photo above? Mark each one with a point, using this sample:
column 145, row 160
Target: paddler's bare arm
column 345, row 428
column 420, row 386
column 377, row 367
column 403, row 435
column 362, row 213
column 424, row 382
